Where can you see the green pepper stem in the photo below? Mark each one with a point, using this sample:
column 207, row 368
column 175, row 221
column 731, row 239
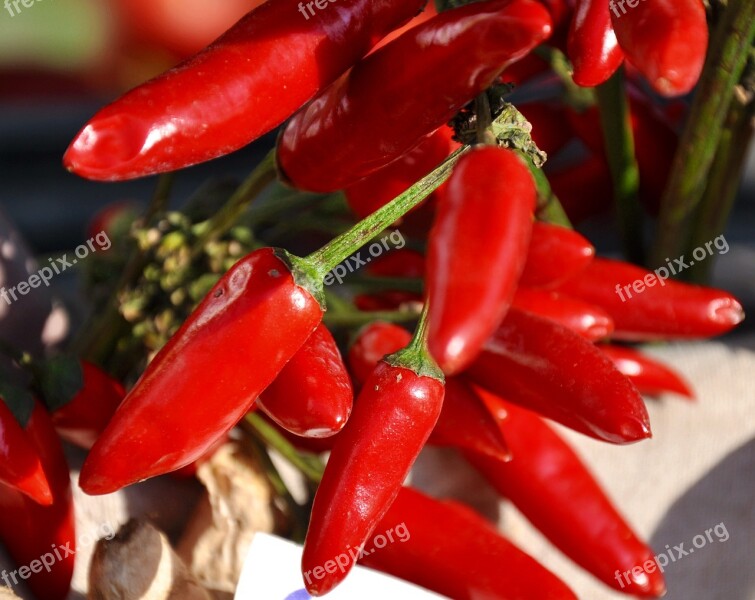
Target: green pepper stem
column 416, row 356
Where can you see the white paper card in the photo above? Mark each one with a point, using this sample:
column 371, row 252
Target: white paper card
column 272, row 571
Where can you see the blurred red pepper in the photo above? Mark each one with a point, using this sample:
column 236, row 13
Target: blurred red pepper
column 338, row 138
column 591, row 322
column 666, row 40
column 555, row 254
column 644, row 305
column 20, row 464
column 450, row 549
column 552, row 370
column 208, row 375
column 398, row 263
column 551, row 486
column 312, row 395
column 547, row 120
column 476, row 252
column 85, row 416
column 584, row 189
column 239, row 88
column 522, row 70
column 41, row 539
column 392, row 419
column 592, row 46
column 651, row 377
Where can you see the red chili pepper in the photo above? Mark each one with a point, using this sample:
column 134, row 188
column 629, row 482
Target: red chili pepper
column 392, row 419
column 448, row 548
column 41, row 539
column 591, row 322
column 592, row 47
column 367, row 195
column 207, row 376
column 20, row 465
column 584, row 189
column 645, row 306
column 547, row 120
column 665, row 39
column 312, row 395
column 323, row 146
column 650, row 376
column 397, row 263
column 476, row 252
column 525, row 69
column 234, row 91
column 552, row 370
column 551, row 486
column 84, row 418
column 464, row 421
column 555, row 254
column 427, row 13
column 559, row 10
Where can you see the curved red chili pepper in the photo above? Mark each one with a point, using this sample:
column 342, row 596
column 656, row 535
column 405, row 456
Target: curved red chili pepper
column 476, row 252
column 644, row 306
column 463, row 422
column 207, row 376
column 584, row 189
column 592, row 46
column 323, row 146
column 427, row 13
column 448, row 548
column 552, row 370
column 392, row 419
column 237, row 89
column 312, row 395
column 377, row 189
column 551, row 486
column 20, row 465
column 666, row 40
column 651, row 377
column 84, row 418
column 589, row 321
column 37, row 536
column 555, row 254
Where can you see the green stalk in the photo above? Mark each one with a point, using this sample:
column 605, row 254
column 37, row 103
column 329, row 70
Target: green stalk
column 416, row 356
column 727, row 56
column 549, row 208
column 619, row 142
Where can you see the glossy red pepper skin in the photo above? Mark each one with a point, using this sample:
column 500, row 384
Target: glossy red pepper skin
column 367, row 195
column 207, row 376
column 312, row 396
column 85, row 417
column 323, row 146
column 555, row 254
column 476, row 252
column 666, row 40
column 32, row 532
column 451, row 550
column 551, row 486
column 547, row 368
column 673, row 310
column 237, row 89
column 591, row 322
column 651, row 377
column 464, row 422
column 392, row 419
column 20, row 464
column 591, row 45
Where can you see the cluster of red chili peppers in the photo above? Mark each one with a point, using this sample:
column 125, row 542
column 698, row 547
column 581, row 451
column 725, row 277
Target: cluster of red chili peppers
column 520, row 318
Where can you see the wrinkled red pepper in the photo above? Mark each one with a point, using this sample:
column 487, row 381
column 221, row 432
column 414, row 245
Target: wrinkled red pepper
column 312, row 395
column 649, row 375
column 592, row 46
column 551, row 486
column 555, row 254
column 646, row 306
column 20, row 464
column 552, row 370
column 41, row 539
column 237, row 89
column 666, row 40
column 337, row 139
column 450, row 549
column 589, row 321
column 476, row 252
column 84, row 418
column 392, row 419
column 207, row 376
